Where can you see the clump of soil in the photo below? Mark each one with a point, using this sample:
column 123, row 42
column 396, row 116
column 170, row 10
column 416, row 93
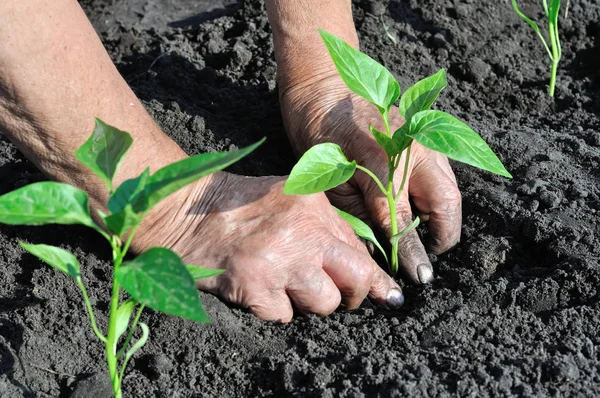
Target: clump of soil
column 515, row 308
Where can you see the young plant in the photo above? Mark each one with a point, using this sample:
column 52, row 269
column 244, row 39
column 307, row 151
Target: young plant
column 325, row 166
column 551, row 10
column 158, row 278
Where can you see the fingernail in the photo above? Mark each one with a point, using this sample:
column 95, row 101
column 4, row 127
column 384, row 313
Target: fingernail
column 394, row 299
column 425, row 273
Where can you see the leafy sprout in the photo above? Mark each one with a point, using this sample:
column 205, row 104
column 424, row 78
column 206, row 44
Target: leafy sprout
column 551, row 10
column 325, row 166
column 158, row 278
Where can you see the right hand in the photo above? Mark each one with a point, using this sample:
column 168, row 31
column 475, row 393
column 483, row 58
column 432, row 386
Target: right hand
column 280, row 252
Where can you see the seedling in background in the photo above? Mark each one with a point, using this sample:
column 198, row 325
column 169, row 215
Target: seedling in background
column 325, row 166
column 551, row 9
column 158, row 278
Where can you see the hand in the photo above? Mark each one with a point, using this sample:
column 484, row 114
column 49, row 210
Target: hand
column 278, row 251
column 324, row 110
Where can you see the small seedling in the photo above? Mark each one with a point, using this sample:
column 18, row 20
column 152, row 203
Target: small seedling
column 158, row 278
column 551, row 10
column 325, row 166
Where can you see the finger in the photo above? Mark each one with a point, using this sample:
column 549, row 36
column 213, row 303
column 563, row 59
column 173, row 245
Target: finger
column 314, row 293
column 435, row 193
column 412, row 257
column 385, row 291
column 352, row 271
column 273, row 307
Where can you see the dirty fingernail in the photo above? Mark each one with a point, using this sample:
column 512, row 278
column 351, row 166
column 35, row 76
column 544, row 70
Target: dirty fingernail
column 394, row 299
column 425, row 273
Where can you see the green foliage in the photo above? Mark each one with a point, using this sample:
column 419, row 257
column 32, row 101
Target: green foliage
column 396, row 238
column 362, row 230
column 123, row 316
column 362, row 74
column 198, row 273
column 325, row 166
column 44, row 203
column 422, row 95
column 179, row 174
column 446, row 134
column 104, row 151
column 551, row 10
column 55, row 257
column 322, row 167
column 158, row 278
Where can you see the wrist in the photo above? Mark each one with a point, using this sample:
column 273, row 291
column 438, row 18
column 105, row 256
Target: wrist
column 181, row 212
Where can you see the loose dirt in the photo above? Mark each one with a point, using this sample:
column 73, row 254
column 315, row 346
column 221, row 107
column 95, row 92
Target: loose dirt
column 515, row 307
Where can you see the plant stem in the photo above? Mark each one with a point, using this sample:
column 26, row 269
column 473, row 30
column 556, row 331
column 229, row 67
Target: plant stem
column 90, row 311
column 556, row 53
column 131, row 331
column 374, row 177
column 405, row 173
column 111, row 343
column 393, row 218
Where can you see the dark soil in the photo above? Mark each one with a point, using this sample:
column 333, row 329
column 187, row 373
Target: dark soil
column 515, row 308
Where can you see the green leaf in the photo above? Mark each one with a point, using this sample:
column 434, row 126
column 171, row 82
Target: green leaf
column 401, row 138
column 533, row 25
column 420, row 96
column 553, row 11
column 362, row 74
column 159, row 279
column 361, row 229
column 389, row 145
column 444, row 133
column 45, row 203
column 124, row 315
column 56, row 257
column 322, row 167
column 175, row 176
column 138, row 344
column 121, row 222
column 104, row 151
column 396, row 238
column 198, row 273
column 125, row 193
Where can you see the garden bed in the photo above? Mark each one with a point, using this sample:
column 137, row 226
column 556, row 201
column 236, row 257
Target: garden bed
column 515, row 308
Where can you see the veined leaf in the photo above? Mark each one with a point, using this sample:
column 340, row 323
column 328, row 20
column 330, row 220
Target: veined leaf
column 104, row 151
column 421, row 95
column 401, row 138
column 123, row 195
column 121, row 222
column 362, row 74
column 446, row 134
column 56, row 257
column 361, row 229
column 322, row 167
column 45, row 203
column 198, row 273
column 159, row 279
column 175, row 176
column 389, row 145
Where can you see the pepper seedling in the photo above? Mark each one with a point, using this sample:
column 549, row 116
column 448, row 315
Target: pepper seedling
column 551, row 10
column 324, row 166
column 158, row 278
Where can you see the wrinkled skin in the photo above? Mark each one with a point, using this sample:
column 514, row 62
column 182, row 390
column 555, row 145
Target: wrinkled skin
column 300, row 254
column 324, row 110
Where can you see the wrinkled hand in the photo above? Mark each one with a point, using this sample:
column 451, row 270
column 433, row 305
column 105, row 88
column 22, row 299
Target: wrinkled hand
column 278, row 251
column 326, row 111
